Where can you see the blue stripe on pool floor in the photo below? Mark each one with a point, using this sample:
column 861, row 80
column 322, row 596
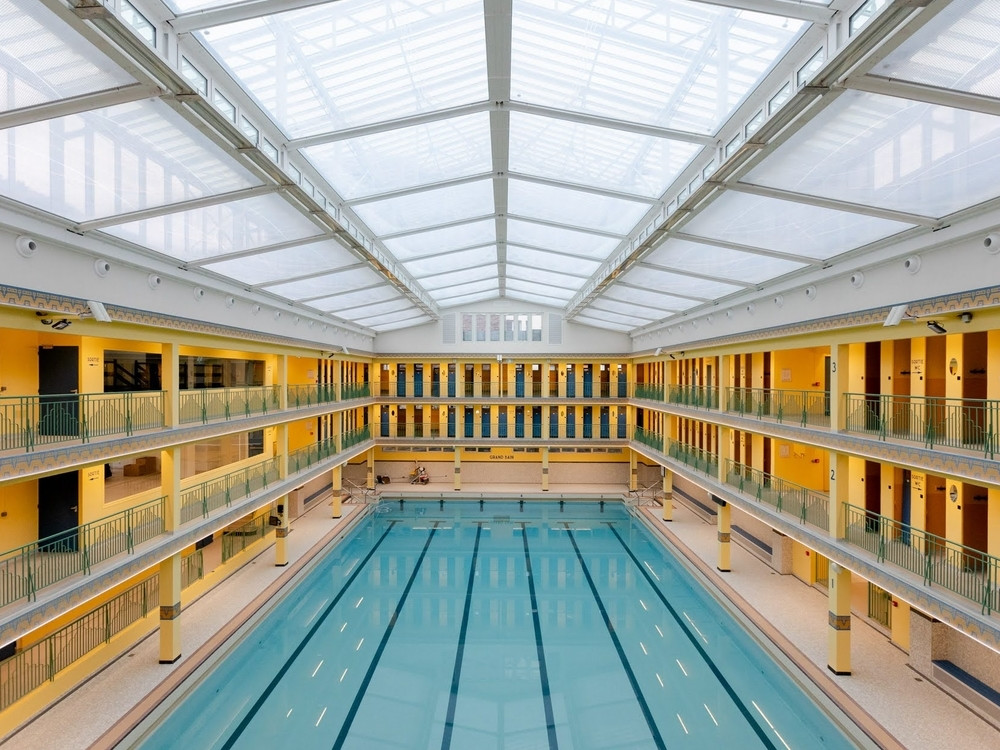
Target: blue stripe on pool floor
column 650, row 721
column 543, row 674
column 704, row 655
column 449, row 724
column 363, row 688
column 302, row 644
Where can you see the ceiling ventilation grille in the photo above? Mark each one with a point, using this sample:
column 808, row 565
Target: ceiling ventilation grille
column 448, row 328
column 555, row 328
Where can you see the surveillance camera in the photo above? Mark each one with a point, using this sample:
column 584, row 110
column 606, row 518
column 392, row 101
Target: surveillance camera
column 26, row 246
column 46, row 321
column 965, row 317
column 992, row 243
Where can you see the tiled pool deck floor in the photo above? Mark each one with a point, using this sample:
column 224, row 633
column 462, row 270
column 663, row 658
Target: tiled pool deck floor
column 915, row 712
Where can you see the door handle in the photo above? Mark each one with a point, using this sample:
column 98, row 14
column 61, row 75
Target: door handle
column 73, row 508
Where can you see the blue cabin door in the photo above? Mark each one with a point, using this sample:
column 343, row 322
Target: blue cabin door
column 536, row 421
column 588, row 422
column 468, row 421
column 571, row 421
column 451, row 381
column 519, row 422
column 384, row 421
column 451, row 421
column 485, row 423
column 519, row 381
column 621, row 423
column 588, row 381
column 605, row 422
column 502, row 423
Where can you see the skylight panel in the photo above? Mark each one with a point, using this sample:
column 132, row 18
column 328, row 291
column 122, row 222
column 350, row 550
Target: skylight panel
column 787, row 227
column 675, row 283
column 892, row 153
column 601, row 323
column 435, row 241
column 428, row 208
column 406, row 157
column 219, row 230
column 624, row 308
column 606, row 317
column 330, row 283
column 452, row 261
column 953, row 51
column 676, row 64
column 537, row 299
column 560, row 239
column 543, row 276
column 734, row 265
column 648, row 298
column 466, row 276
column 596, row 156
column 539, row 289
column 466, row 299
column 338, row 65
column 414, row 314
column 148, row 155
column 526, row 256
column 44, row 60
column 379, row 308
column 380, row 292
column 575, row 208
column 397, row 324
column 286, row 263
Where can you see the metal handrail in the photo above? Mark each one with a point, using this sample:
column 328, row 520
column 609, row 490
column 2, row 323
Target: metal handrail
column 30, row 421
column 806, row 504
column 210, row 404
column 966, row 571
column 803, row 407
column 933, row 420
column 702, row 396
column 26, row 569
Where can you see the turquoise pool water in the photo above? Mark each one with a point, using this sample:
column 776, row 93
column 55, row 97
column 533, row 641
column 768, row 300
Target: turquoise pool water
column 497, row 625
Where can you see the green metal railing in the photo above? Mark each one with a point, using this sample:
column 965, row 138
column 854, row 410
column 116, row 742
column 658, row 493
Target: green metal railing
column 697, row 458
column 202, row 499
column 703, row 396
column 31, row 567
column 351, row 438
column 648, row 437
column 40, row 662
column 808, row 505
column 936, row 421
column 311, row 395
column 650, row 391
column 304, row 457
column 355, row 390
column 802, row 407
column 210, row 404
column 30, row 421
column 236, row 540
column 965, row 571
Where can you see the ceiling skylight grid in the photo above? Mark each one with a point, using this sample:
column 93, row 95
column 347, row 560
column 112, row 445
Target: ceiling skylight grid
column 357, row 61
column 433, row 241
column 427, row 209
column 891, row 153
column 287, row 263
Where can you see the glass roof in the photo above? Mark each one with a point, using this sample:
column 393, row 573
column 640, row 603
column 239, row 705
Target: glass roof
column 406, row 158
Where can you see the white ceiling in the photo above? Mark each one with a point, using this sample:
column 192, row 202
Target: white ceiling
column 380, row 161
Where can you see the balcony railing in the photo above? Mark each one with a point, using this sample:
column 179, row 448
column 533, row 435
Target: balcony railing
column 508, row 389
column 697, row 458
column 801, row 407
column 648, row 437
column 650, row 391
column 933, row 420
column 506, row 430
column 40, row 662
column 202, row 499
column 211, row 404
column 31, row 567
column 311, row 394
column 236, row 540
column 808, row 505
column 30, row 421
column 965, row 571
column 350, row 438
column 702, row 396
column 304, row 457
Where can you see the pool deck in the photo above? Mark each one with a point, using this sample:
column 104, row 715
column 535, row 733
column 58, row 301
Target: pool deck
column 893, row 696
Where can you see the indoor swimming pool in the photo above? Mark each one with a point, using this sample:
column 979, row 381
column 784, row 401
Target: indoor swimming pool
column 476, row 626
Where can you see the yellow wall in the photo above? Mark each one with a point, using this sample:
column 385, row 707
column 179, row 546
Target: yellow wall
column 18, row 513
column 803, row 563
column 799, row 369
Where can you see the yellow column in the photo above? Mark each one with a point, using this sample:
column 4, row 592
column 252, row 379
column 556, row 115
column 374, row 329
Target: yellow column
column 668, row 495
column 633, row 471
column 337, row 483
column 724, row 532
column 840, row 493
column 370, row 474
column 840, row 384
column 458, row 469
column 839, row 633
column 545, row 469
column 169, row 381
column 281, row 532
column 170, row 569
